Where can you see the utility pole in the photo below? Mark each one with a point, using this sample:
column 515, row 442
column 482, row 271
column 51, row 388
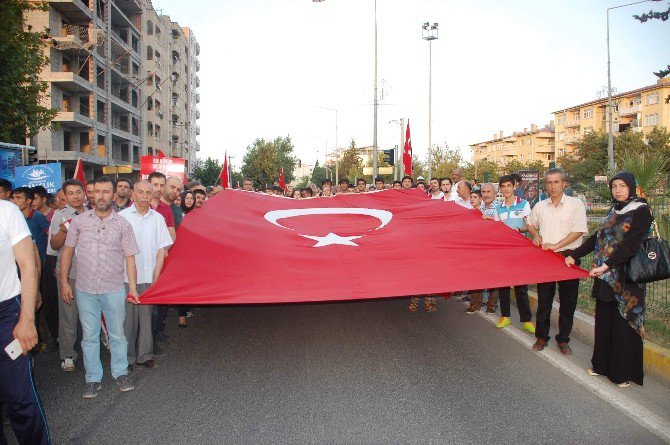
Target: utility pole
column 375, row 167
column 429, row 34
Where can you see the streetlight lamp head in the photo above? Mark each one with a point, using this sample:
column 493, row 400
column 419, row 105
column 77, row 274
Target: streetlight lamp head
column 434, row 26
column 425, row 25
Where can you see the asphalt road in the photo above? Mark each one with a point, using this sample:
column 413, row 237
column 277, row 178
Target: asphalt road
column 357, row 372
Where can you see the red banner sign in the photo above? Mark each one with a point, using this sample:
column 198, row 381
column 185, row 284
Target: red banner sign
column 167, row 166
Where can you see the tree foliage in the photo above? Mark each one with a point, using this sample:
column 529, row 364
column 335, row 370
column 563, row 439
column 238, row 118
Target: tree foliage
column 350, row 163
column 207, row 171
column 264, row 159
column 21, row 91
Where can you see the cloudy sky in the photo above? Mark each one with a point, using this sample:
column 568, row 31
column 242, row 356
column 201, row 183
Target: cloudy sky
column 268, row 67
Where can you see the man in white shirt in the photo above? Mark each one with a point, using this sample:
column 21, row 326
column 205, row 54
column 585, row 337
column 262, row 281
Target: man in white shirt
column 557, row 224
column 17, row 321
column 153, row 239
column 463, row 190
column 434, row 189
column 456, row 177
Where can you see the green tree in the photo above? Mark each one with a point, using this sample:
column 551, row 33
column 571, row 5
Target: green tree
column 445, row 161
column 590, row 158
column 318, row 174
column 658, row 141
column 264, row 159
column 350, row 163
column 207, row 171
column 23, row 58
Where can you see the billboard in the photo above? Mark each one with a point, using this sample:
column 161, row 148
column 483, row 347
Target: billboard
column 46, row 175
column 530, row 186
column 9, row 160
column 167, row 166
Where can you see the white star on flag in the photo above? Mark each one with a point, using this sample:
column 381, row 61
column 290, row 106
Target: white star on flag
column 333, row 238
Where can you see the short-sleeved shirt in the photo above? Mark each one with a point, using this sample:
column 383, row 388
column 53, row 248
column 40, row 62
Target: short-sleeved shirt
column 101, row 246
column 557, row 222
column 152, row 235
column 39, row 228
column 13, row 228
column 515, row 215
column 64, row 214
column 166, row 211
column 177, row 213
column 117, row 208
column 489, row 210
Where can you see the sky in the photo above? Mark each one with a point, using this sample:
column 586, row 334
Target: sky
column 272, row 68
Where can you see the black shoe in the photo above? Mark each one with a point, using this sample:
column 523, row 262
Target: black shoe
column 131, row 368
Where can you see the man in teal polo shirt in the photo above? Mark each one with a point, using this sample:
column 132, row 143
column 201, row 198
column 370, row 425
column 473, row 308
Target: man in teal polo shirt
column 513, row 212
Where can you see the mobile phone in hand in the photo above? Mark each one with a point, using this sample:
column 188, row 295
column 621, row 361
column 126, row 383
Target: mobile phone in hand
column 14, row 349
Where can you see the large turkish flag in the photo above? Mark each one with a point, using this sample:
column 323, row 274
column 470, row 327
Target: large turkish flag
column 245, row 247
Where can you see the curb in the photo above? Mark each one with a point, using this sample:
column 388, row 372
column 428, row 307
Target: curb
column 656, row 359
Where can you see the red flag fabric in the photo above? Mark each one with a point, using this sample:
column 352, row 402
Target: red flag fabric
column 282, row 183
column 160, row 154
column 407, row 152
column 79, row 172
column 225, row 180
column 246, row 247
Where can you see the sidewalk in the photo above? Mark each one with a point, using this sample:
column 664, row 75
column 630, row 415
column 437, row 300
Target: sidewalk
column 649, row 405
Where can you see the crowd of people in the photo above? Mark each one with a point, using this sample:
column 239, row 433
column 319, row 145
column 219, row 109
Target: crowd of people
column 85, row 255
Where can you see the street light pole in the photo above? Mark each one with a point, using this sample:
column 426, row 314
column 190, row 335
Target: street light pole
column 398, row 170
column 430, row 33
column 610, row 105
column 374, row 133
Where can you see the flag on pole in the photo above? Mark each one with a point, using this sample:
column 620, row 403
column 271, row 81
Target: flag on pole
column 282, row 183
column 160, row 154
column 407, row 152
column 79, row 172
column 225, row 180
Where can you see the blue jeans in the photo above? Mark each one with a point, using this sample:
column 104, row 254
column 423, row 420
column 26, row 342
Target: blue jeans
column 91, row 307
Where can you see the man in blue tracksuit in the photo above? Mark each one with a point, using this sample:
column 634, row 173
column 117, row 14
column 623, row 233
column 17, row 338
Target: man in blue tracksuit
column 17, row 321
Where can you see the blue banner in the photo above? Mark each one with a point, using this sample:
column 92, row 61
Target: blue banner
column 46, row 175
column 9, row 160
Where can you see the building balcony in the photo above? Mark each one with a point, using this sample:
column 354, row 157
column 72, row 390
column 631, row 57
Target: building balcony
column 197, row 81
column 573, row 140
column 197, row 98
column 197, row 65
column 69, row 81
column 573, row 123
column 544, row 148
column 197, row 129
column 72, row 9
column 627, row 111
column 72, row 119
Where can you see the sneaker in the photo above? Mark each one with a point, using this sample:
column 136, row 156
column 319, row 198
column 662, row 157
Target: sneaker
column 540, row 344
column 471, row 310
column 91, row 389
column 67, row 364
column 564, row 348
column 189, row 314
column 590, row 371
column 503, row 321
column 413, row 305
column 125, row 384
column 528, row 326
column 490, row 311
column 623, row 385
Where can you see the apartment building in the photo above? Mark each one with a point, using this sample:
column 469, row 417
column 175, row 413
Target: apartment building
column 95, row 64
column 638, row 110
column 523, row 146
column 124, row 81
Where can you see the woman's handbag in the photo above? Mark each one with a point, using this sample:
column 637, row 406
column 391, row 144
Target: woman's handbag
column 652, row 260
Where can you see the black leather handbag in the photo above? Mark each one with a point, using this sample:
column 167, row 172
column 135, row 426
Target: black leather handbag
column 652, row 260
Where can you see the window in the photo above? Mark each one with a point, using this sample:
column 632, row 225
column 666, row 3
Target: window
column 150, row 104
column 561, row 151
column 150, row 27
column 561, row 120
column 651, row 119
column 150, row 53
column 150, row 80
column 150, row 128
column 588, row 113
column 158, row 32
column 561, row 136
column 652, row 98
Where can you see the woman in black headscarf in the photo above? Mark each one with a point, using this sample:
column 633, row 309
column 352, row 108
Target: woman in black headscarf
column 187, row 201
column 620, row 304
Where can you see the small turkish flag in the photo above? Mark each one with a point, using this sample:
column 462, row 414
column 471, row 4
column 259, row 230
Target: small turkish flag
column 347, row 247
column 282, row 183
column 225, row 180
column 407, row 153
column 79, row 172
column 160, row 154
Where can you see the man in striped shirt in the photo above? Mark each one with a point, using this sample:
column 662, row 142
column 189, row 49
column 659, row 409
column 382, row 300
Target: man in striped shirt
column 513, row 212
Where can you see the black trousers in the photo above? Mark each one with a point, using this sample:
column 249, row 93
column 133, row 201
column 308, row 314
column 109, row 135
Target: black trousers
column 17, row 391
column 49, row 290
column 568, row 291
column 617, row 351
column 521, row 293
